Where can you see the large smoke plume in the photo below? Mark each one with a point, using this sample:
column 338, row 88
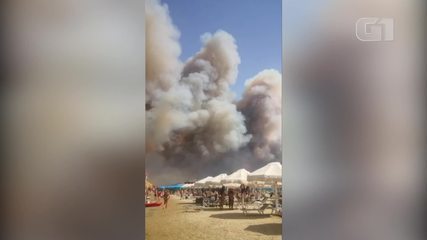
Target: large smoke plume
column 192, row 118
column 262, row 107
column 162, row 49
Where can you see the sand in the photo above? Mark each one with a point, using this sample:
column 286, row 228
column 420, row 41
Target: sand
column 182, row 221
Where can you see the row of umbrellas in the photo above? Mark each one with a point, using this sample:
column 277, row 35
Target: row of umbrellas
column 269, row 174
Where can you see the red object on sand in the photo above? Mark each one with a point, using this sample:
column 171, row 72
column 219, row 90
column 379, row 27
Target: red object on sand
column 153, row 204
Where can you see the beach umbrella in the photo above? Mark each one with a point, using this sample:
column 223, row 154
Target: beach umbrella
column 261, row 184
column 236, row 178
column 172, row 187
column 269, row 174
column 188, row 185
column 201, row 182
column 232, row 185
column 216, row 181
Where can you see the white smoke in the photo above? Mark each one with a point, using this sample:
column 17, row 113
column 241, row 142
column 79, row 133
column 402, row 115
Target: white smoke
column 196, row 107
column 217, row 62
column 162, row 48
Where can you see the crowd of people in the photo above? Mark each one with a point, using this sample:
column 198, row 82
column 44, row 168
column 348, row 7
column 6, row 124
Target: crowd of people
column 222, row 195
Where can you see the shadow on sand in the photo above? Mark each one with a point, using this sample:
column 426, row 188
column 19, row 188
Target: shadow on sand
column 216, row 209
column 190, row 211
column 266, row 229
column 238, row 215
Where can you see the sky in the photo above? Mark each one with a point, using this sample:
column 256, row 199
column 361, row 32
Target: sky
column 255, row 24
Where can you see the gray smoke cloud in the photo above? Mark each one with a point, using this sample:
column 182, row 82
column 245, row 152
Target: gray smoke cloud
column 262, row 107
column 192, row 119
column 215, row 66
column 198, row 110
column 162, row 49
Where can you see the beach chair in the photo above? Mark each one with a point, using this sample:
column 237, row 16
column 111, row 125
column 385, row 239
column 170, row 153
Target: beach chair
column 259, row 206
column 210, row 202
column 264, row 207
column 199, row 200
column 238, row 202
column 276, row 209
column 279, row 211
column 215, row 202
column 205, row 202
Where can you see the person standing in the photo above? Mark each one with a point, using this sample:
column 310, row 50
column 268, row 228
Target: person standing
column 243, row 193
column 230, row 198
column 221, row 197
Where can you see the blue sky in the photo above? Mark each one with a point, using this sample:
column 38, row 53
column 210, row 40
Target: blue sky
column 255, row 24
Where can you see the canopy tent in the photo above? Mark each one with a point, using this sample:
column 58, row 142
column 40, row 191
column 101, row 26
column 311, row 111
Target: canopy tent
column 236, row 178
column 172, row 187
column 269, row 174
column 216, row 181
column 201, row 182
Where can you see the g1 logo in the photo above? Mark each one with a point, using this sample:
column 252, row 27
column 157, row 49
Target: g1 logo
column 375, row 29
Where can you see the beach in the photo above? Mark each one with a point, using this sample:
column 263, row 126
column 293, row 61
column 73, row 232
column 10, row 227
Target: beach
column 183, row 220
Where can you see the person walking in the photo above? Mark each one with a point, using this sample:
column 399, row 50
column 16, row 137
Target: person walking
column 166, row 197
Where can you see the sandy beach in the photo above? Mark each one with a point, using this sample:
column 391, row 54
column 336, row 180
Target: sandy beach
column 182, row 220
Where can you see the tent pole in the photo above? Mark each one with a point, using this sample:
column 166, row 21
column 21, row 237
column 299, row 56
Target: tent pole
column 276, row 196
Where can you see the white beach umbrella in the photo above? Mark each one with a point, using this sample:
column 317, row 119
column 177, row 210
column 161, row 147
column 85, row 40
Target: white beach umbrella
column 232, row 185
column 216, row 181
column 201, row 182
column 269, row 174
column 260, row 184
column 238, row 177
column 188, row 185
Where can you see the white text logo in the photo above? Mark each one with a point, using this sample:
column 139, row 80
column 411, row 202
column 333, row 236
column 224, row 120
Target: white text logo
column 375, row 29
